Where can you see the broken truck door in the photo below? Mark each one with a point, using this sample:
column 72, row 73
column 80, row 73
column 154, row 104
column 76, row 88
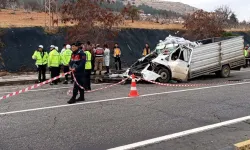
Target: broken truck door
column 180, row 64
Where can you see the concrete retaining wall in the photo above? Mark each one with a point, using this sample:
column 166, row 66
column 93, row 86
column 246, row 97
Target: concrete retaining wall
column 20, row 44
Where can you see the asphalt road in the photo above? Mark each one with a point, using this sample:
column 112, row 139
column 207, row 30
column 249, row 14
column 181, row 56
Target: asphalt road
column 41, row 119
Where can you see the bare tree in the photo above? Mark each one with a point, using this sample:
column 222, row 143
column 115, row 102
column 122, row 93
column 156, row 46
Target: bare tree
column 3, row 4
column 32, row 5
column 202, row 25
column 131, row 11
column 92, row 22
column 223, row 13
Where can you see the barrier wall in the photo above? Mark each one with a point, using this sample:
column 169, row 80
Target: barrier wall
column 20, row 44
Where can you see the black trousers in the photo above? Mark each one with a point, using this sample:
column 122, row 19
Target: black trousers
column 66, row 69
column 247, row 61
column 59, row 71
column 41, row 73
column 93, row 63
column 118, row 59
column 87, row 79
column 107, row 69
column 54, row 72
column 80, row 80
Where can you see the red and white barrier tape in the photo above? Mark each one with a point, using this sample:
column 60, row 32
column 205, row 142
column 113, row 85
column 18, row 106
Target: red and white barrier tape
column 181, row 85
column 109, row 86
column 33, row 86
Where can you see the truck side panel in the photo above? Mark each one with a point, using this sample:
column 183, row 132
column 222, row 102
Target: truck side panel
column 210, row 58
column 205, row 59
column 232, row 52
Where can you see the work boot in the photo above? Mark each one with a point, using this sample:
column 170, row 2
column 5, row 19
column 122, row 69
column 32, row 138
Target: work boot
column 81, row 98
column 72, row 100
column 65, row 82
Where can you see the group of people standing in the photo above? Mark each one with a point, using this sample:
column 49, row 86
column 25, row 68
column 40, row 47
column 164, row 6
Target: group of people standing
column 79, row 58
column 54, row 60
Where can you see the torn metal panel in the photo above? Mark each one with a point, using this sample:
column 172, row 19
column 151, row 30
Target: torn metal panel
column 149, row 75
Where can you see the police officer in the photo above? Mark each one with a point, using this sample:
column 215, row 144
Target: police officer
column 88, row 69
column 60, row 65
column 77, row 66
column 53, row 64
column 65, row 59
column 41, row 58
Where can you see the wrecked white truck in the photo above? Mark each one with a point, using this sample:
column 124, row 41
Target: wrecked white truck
column 179, row 59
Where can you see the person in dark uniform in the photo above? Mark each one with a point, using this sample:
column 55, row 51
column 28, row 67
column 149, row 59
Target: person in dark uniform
column 77, row 66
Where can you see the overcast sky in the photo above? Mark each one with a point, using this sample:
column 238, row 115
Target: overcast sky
column 240, row 7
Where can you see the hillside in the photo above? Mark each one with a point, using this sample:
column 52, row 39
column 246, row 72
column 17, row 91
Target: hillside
column 21, row 18
column 165, row 5
column 176, row 7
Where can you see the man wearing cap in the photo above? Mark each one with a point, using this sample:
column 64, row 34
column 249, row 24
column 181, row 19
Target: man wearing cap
column 60, row 66
column 41, row 58
column 65, row 59
column 53, row 63
column 63, row 49
column 77, row 66
column 52, row 47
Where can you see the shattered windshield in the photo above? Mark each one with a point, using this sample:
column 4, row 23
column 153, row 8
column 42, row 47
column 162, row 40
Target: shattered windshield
column 168, row 48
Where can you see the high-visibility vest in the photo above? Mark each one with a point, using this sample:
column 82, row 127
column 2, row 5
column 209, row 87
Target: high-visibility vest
column 66, row 56
column 40, row 60
column 146, row 51
column 246, row 53
column 88, row 64
column 54, row 59
column 117, row 52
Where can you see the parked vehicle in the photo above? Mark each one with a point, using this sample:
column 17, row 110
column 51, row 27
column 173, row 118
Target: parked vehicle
column 180, row 59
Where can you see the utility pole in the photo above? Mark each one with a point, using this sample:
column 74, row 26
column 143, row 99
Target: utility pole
column 51, row 8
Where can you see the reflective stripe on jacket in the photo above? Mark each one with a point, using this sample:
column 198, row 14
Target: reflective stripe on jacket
column 40, row 57
column 117, row 52
column 88, row 64
column 54, row 59
column 99, row 52
column 66, row 57
column 146, row 51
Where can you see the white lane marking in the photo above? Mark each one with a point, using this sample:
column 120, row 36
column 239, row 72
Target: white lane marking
column 46, row 89
column 241, row 71
column 180, row 134
column 120, row 98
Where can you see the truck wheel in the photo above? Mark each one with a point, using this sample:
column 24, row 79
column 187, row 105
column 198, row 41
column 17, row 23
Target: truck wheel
column 164, row 75
column 225, row 71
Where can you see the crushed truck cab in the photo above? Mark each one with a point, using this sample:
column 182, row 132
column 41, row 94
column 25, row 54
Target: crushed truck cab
column 180, row 59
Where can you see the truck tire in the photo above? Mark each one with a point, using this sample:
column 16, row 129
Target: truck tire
column 164, row 75
column 225, row 71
